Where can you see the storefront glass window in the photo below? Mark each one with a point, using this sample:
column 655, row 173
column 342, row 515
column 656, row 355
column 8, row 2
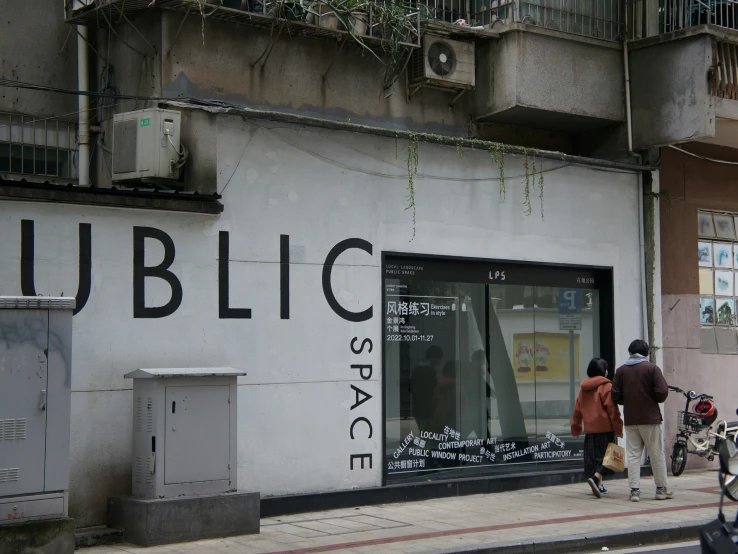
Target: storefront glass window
column 483, row 362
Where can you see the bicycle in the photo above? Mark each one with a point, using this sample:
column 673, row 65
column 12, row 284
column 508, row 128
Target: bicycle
column 720, row 536
column 692, row 422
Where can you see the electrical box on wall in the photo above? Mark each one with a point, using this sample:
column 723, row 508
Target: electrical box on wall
column 146, row 145
column 184, row 431
column 35, row 399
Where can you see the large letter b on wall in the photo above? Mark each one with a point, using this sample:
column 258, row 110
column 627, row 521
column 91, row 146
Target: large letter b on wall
column 161, row 271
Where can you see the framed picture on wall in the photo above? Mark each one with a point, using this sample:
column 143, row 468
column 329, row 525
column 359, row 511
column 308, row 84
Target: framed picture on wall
column 704, row 254
column 724, row 226
column 725, row 311
column 705, row 226
column 724, row 282
column 707, row 310
column 723, row 254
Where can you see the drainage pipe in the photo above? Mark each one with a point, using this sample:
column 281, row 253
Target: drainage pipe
column 641, row 228
column 83, row 63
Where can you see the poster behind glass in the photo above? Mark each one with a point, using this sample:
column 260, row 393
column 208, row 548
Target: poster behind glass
column 481, row 374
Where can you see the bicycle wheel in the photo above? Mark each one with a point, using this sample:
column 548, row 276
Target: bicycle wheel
column 679, row 459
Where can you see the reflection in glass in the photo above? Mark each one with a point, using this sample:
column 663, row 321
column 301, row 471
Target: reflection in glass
column 482, row 377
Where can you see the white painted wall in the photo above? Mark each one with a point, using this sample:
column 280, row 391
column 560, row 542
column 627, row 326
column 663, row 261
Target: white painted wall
column 319, row 187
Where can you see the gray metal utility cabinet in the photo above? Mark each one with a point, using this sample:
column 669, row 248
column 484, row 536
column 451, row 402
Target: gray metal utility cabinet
column 184, row 460
column 184, row 431
column 35, row 399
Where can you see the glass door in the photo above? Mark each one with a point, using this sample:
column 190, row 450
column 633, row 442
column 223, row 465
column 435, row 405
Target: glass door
column 511, row 337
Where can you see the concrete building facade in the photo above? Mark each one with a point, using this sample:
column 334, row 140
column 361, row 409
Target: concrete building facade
column 414, row 299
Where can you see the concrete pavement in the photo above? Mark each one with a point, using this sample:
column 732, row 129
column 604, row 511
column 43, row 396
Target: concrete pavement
column 553, row 519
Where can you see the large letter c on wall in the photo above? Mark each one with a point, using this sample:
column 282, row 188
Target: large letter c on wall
column 336, row 251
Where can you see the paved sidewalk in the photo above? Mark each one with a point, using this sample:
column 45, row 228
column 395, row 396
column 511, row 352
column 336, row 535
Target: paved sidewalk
column 546, row 517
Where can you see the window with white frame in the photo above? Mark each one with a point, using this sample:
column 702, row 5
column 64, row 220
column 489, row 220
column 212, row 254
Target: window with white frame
column 717, row 257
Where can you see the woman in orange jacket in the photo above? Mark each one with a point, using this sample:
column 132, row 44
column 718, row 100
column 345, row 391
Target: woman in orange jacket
column 602, row 423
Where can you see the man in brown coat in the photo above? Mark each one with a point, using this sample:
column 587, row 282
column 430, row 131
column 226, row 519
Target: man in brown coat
column 640, row 387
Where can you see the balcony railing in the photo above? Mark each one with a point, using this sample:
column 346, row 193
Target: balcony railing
column 600, row 19
column 681, row 14
column 319, row 21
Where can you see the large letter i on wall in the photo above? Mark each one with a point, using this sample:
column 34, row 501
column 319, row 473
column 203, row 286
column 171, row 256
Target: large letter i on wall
column 28, row 244
column 161, row 271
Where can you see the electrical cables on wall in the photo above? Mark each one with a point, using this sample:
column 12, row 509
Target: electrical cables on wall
column 701, row 157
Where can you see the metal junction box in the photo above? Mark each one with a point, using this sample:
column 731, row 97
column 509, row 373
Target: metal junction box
column 184, row 431
column 145, row 144
column 35, row 398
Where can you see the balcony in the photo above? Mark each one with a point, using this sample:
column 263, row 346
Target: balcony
column 684, row 87
column 601, row 19
column 684, row 72
column 524, row 49
column 572, row 47
column 292, row 16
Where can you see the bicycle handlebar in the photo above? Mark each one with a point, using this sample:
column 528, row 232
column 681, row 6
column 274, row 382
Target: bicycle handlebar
column 685, row 393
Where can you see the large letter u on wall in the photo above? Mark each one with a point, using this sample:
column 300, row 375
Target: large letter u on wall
column 28, row 242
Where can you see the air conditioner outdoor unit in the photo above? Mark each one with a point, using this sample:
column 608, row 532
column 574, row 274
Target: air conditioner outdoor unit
column 443, row 62
column 146, row 145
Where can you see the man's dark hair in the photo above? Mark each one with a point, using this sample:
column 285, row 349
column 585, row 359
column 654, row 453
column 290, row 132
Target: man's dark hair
column 638, row 346
column 597, row 367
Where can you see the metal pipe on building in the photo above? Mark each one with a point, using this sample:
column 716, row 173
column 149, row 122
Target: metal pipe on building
column 83, row 158
column 642, row 247
column 628, row 115
column 641, row 229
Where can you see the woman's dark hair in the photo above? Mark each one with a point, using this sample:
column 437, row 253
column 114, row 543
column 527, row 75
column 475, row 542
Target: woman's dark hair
column 638, row 346
column 597, row 368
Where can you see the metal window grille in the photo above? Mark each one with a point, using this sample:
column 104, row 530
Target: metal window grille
column 37, row 146
column 725, row 76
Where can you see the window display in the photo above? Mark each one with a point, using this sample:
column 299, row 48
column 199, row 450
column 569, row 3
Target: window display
column 717, row 268
column 483, row 360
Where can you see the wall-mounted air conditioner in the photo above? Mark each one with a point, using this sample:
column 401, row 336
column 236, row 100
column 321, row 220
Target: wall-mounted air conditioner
column 146, row 145
column 443, row 62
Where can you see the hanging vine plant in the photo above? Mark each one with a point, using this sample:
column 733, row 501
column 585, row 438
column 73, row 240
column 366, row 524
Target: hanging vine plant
column 533, row 179
column 412, row 173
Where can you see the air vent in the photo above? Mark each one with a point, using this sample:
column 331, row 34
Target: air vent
column 149, row 415
column 139, row 414
column 138, row 469
column 9, row 475
column 12, row 429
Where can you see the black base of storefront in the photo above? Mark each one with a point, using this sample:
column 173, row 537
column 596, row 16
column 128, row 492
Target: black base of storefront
column 409, row 492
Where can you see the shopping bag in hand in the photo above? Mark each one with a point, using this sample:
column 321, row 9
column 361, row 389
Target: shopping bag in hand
column 614, row 457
